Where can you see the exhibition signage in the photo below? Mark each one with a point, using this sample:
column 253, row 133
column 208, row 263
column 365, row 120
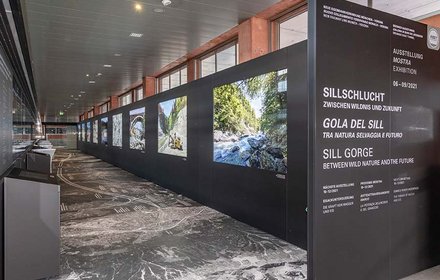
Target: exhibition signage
column 375, row 114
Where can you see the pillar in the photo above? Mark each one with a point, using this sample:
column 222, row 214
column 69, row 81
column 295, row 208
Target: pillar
column 114, row 102
column 253, row 38
column 149, row 86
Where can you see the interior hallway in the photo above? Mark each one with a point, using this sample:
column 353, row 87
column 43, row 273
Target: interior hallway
column 116, row 225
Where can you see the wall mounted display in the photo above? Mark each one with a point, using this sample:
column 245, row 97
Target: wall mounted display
column 250, row 122
column 79, row 132
column 89, row 131
column 137, row 129
column 172, row 127
column 117, row 130
column 104, row 131
column 95, row 132
column 83, row 132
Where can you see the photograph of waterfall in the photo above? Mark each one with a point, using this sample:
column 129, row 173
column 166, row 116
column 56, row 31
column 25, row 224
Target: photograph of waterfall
column 250, row 122
column 117, row 130
column 137, row 129
column 172, row 127
column 95, row 132
column 104, row 128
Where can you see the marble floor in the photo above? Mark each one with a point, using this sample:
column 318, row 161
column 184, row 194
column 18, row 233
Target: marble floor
column 118, row 226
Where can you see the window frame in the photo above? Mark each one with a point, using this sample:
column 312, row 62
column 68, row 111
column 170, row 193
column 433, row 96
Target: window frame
column 127, row 93
column 214, row 52
column 167, row 75
column 279, row 19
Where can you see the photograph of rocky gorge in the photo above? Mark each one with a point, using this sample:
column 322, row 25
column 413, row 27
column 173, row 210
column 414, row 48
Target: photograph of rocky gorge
column 137, row 129
column 250, row 122
column 104, row 129
column 95, row 132
column 172, row 127
column 117, row 130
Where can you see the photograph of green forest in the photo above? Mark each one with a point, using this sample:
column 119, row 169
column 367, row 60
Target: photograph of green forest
column 172, row 127
column 250, row 122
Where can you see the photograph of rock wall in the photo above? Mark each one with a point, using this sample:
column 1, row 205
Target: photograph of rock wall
column 104, row 131
column 95, row 132
column 250, row 122
column 172, row 127
column 117, row 130
column 137, row 129
column 89, row 132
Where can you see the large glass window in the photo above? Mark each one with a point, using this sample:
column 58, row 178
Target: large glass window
column 104, row 108
column 292, row 29
column 126, row 99
column 139, row 93
column 219, row 59
column 173, row 79
column 90, row 114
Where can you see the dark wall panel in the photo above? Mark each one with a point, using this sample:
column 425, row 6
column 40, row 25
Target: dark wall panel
column 258, row 197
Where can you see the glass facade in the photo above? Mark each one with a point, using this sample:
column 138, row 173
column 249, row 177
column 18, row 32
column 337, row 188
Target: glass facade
column 125, row 99
column 219, row 59
column 292, row 30
column 173, row 79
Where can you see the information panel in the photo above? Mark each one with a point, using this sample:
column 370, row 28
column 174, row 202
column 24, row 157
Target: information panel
column 376, row 143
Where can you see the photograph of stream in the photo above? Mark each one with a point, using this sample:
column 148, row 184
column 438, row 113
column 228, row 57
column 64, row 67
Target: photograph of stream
column 250, row 122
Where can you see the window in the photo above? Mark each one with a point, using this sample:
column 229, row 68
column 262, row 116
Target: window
column 139, row 93
column 104, row 108
column 292, row 28
column 173, row 79
column 125, row 99
column 90, row 114
column 219, row 59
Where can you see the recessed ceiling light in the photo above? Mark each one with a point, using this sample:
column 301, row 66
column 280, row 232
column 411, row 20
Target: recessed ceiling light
column 99, row 74
column 138, row 7
column 92, row 82
column 136, row 35
column 158, row 10
column 117, row 54
column 79, row 95
column 71, row 95
column 87, row 75
column 166, row 2
column 75, row 99
column 82, row 91
column 107, row 65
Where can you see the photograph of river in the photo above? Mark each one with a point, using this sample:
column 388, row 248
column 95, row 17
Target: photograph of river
column 95, row 132
column 104, row 129
column 117, row 130
column 137, row 129
column 250, row 122
column 172, row 127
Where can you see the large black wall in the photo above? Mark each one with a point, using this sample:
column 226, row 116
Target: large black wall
column 257, row 197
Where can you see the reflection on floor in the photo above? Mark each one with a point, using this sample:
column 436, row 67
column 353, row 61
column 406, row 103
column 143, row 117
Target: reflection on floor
column 118, row 226
column 429, row 274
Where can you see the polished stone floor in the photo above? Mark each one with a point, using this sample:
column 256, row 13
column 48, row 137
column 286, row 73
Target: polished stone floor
column 118, row 226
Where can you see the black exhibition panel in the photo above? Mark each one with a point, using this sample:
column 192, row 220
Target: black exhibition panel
column 262, row 198
column 375, row 104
